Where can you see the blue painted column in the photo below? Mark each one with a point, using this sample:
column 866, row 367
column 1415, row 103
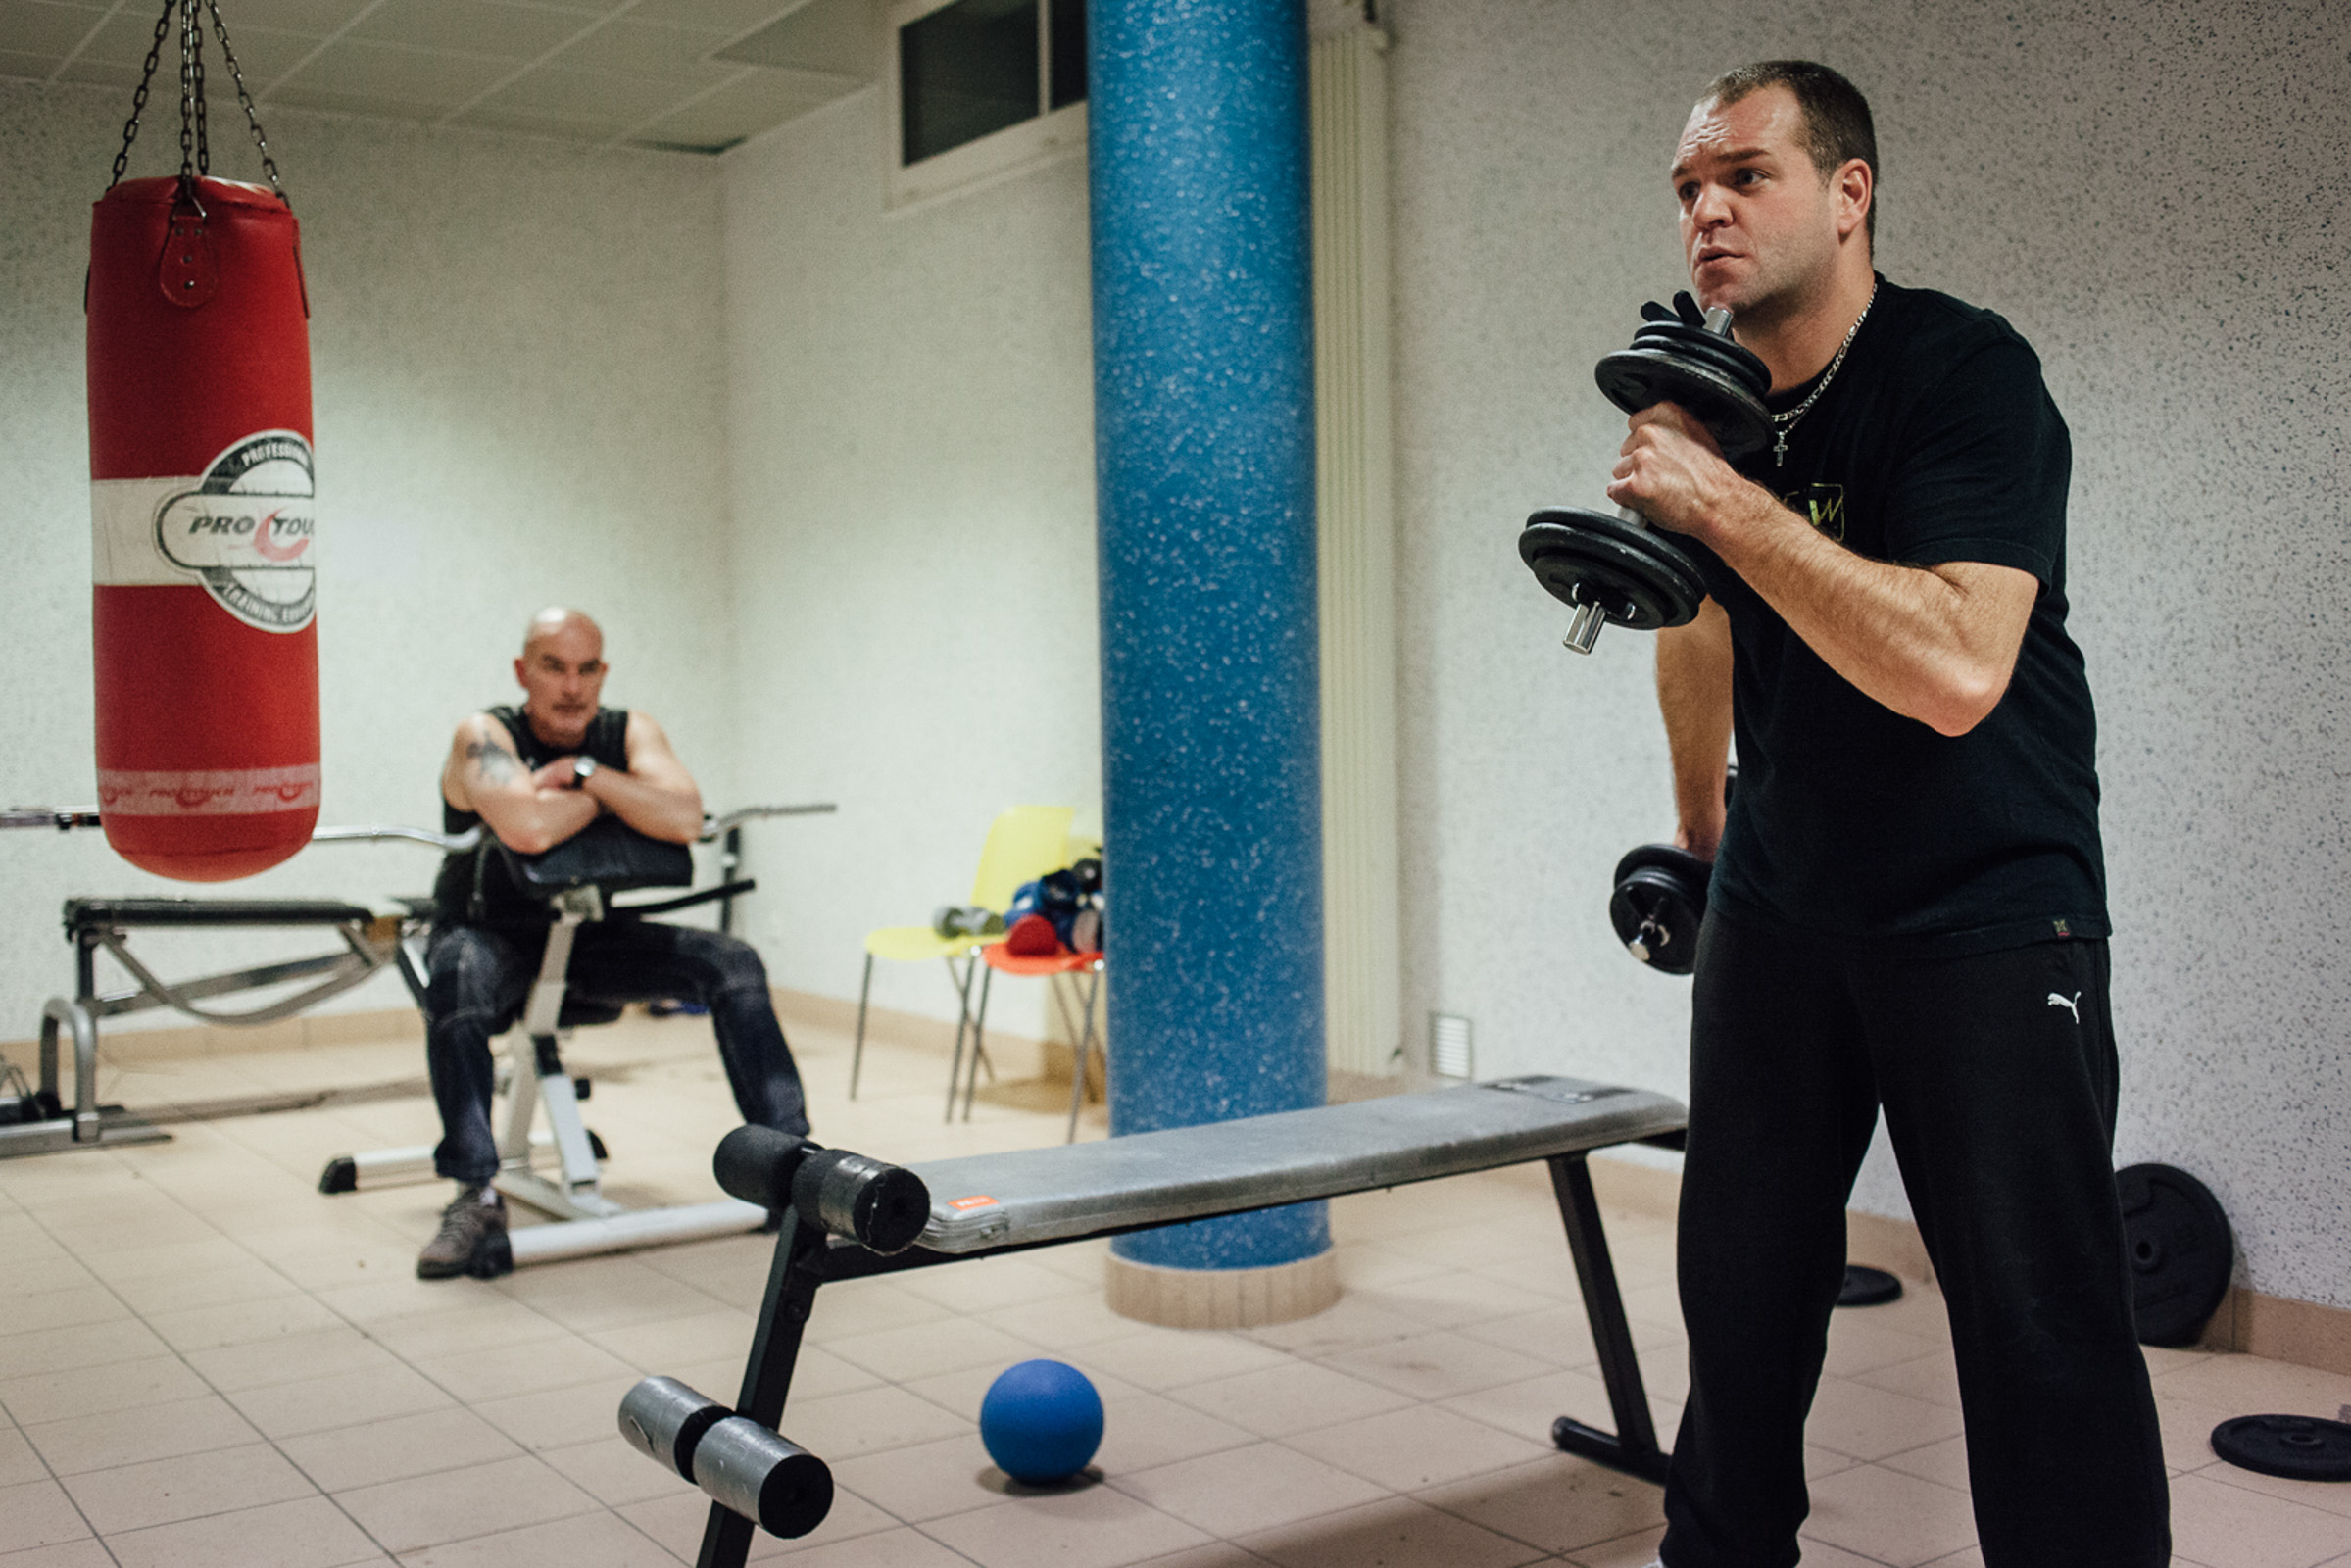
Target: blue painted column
column 1204, row 368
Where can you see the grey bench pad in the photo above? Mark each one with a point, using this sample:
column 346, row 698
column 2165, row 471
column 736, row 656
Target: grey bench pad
column 984, row 1201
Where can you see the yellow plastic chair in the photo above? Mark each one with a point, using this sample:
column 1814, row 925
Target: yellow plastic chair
column 1081, row 846
column 1024, row 842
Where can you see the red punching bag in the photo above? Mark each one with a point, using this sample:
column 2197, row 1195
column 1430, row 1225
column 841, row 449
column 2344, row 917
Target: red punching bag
column 201, row 496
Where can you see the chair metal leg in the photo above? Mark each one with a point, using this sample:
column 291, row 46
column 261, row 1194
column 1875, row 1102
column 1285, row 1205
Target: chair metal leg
column 979, row 1049
column 856, row 1053
column 955, row 1066
column 1077, row 1075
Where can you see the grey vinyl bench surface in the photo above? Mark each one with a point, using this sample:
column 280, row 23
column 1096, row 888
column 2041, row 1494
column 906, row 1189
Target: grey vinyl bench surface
column 983, row 1203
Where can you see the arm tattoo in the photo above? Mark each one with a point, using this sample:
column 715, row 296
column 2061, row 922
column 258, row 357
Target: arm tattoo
column 493, row 761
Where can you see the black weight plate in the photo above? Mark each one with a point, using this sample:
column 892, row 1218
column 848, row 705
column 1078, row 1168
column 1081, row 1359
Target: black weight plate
column 1734, row 359
column 1664, row 885
column 2300, row 1447
column 1641, row 378
column 1868, row 1286
column 1634, row 574
column 2181, row 1248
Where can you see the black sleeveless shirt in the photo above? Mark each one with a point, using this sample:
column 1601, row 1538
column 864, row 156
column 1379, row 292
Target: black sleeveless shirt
column 474, row 888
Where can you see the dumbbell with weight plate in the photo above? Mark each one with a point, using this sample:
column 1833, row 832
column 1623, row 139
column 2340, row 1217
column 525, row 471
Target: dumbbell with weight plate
column 1615, row 567
column 1658, row 904
column 1657, row 900
column 951, row 920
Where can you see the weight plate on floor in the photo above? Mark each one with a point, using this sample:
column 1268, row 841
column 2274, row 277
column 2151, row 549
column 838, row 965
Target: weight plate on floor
column 2300, row 1447
column 2182, row 1251
column 1634, row 573
column 1868, row 1286
column 1641, row 378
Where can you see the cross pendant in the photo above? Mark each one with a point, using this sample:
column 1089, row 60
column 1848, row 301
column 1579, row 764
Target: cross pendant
column 1780, row 449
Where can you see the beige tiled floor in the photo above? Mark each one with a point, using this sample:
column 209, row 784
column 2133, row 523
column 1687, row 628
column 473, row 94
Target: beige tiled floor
column 203, row 1361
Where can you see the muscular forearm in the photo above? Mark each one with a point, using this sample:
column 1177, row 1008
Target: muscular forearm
column 659, row 813
column 545, row 820
column 1693, row 692
column 1917, row 639
column 1935, row 644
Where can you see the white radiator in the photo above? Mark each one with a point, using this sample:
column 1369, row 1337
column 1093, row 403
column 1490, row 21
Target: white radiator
column 1356, row 539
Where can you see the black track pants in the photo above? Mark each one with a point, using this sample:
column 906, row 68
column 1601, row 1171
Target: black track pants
column 479, row 981
column 1996, row 1072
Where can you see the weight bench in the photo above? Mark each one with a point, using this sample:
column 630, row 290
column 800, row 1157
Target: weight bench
column 849, row 1217
column 38, row 1121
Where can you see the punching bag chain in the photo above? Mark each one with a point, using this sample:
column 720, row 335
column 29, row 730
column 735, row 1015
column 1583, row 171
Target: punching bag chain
column 195, row 146
column 138, row 100
column 220, row 31
column 195, row 66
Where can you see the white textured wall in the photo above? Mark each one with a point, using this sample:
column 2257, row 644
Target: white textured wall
column 2151, row 194
column 515, row 349
column 910, row 417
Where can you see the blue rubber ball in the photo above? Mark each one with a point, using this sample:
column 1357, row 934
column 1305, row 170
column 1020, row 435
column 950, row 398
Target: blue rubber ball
column 1041, row 1421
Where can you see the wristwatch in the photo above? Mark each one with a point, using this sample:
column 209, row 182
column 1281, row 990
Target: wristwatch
column 583, row 769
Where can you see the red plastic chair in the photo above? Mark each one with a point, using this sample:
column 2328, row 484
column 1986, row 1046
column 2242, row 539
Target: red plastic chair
column 1000, row 962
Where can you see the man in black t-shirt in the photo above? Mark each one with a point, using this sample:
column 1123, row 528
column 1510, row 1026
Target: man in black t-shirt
column 1908, row 906
column 535, row 776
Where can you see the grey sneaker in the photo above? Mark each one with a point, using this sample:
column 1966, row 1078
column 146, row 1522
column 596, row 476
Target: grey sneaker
column 472, row 1239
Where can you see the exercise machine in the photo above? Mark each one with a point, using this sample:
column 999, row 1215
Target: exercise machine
column 36, row 1119
column 579, row 879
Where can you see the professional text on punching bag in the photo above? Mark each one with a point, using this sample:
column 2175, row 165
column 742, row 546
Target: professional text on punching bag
column 203, row 529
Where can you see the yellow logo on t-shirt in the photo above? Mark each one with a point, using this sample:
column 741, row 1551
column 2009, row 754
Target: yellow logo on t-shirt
column 1821, row 505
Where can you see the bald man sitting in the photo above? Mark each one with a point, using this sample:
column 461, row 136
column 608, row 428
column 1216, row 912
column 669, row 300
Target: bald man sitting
column 534, row 776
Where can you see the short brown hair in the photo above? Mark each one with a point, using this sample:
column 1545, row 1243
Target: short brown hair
column 1836, row 117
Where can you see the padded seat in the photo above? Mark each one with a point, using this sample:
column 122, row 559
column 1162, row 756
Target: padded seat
column 84, row 913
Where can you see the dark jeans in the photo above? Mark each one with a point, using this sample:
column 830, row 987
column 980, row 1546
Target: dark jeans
column 478, row 980
column 1996, row 1073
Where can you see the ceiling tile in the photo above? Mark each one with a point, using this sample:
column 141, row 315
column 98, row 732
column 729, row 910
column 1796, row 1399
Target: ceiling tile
column 37, row 27
column 127, row 36
column 415, row 77
column 730, row 16
column 19, row 67
column 262, row 54
column 102, row 73
column 629, row 47
column 627, row 100
column 841, row 37
column 317, row 18
column 758, row 102
column 471, row 27
column 357, row 103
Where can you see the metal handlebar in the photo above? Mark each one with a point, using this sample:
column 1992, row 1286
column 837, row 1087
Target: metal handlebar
column 452, row 843
column 66, row 818
column 713, row 827
column 62, row 818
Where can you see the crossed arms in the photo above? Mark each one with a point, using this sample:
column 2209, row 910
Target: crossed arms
column 532, row 812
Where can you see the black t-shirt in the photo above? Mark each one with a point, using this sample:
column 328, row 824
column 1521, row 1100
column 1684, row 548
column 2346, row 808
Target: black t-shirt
column 1935, row 442
column 476, row 888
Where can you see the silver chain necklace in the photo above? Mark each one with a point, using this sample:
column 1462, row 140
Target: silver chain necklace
column 1784, row 423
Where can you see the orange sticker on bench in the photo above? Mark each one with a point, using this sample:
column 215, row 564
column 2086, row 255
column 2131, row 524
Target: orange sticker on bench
column 981, row 1202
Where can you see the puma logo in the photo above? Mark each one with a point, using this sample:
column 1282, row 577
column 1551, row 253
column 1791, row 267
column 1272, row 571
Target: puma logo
column 2074, row 1007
